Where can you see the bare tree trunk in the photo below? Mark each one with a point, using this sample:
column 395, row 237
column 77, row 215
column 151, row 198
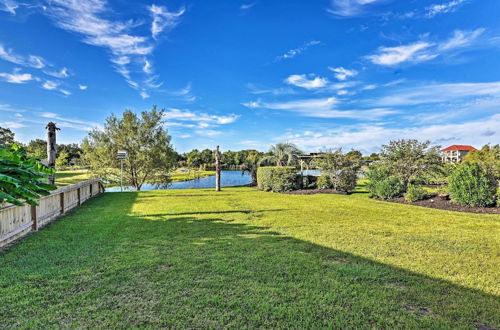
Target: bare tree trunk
column 51, row 148
column 217, row 169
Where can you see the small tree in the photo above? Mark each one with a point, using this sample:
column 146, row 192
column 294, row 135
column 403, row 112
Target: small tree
column 472, row 185
column 21, row 177
column 410, row 159
column 342, row 168
column 489, row 157
column 150, row 155
column 62, row 160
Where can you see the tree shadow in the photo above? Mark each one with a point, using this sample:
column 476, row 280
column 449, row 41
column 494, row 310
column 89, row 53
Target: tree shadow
column 99, row 268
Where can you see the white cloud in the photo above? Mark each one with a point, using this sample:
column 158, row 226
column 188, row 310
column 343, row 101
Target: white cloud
column 148, row 67
column 50, row 85
column 461, row 39
column 12, row 124
column 163, row 19
column 442, row 8
column 10, row 56
column 342, row 74
column 144, row 94
column 320, row 108
column 83, row 87
column 9, row 6
column 350, row 8
column 306, row 81
column 369, row 138
column 9, row 108
column 274, row 91
column 65, row 92
column 415, row 52
column 198, row 117
column 63, row 73
column 421, row 51
column 247, row 6
column 297, row 51
column 73, row 123
column 16, row 77
column 437, row 93
column 32, row 61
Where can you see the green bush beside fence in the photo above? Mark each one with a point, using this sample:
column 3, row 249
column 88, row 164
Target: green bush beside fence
column 278, row 178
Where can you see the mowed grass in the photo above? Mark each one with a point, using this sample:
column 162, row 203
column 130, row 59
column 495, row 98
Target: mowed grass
column 68, row 177
column 243, row 258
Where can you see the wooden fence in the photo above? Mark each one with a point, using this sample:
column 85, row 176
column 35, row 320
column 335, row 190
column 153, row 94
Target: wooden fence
column 17, row 221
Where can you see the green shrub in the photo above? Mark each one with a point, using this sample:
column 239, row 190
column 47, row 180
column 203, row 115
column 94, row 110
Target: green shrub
column 472, row 185
column 324, row 182
column 278, row 178
column 415, row 193
column 345, row 181
column 383, row 185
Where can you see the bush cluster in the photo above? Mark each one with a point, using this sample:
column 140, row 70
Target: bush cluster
column 278, row 178
column 324, row 182
column 384, row 185
column 471, row 184
column 415, row 193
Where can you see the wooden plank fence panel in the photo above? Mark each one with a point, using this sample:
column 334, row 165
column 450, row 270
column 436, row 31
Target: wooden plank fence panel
column 17, row 221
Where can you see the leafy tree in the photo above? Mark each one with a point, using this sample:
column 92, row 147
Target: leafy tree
column 489, row 157
column 62, row 160
column 22, row 177
column 6, row 136
column 72, row 151
column 150, row 155
column 410, row 159
column 37, row 149
column 342, row 168
column 193, row 159
column 283, row 154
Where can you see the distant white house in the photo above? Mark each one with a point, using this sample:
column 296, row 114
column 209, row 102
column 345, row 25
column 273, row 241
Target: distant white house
column 455, row 153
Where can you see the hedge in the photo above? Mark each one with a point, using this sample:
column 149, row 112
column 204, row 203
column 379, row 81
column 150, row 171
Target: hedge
column 472, row 185
column 278, row 178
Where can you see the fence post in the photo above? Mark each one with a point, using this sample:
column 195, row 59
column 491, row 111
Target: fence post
column 91, row 195
column 79, row 200
column 34, row 218
column 61, row 200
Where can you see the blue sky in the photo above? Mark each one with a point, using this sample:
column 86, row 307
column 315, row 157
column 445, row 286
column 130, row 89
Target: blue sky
column 247, row 74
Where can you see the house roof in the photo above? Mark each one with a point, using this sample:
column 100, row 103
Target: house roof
column 457, row 147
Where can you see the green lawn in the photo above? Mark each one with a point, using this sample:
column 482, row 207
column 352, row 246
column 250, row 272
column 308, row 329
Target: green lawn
column 67, row 177
column 243, row 258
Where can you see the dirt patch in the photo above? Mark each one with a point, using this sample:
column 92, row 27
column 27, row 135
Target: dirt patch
column 437, row 203
column 419, row 311
column 315, row 191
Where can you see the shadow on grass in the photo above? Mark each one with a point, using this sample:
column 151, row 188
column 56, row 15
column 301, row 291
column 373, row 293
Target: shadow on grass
column 102, row 267
column 210, row 212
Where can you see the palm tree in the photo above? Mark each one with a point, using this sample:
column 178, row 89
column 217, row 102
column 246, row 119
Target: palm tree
column 282, row 154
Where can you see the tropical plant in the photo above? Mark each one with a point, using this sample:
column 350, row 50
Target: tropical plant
column 144, row 138
column 471, row 184
column 251, row 164
column 324, row 182
column 22, row 177
column 282, row 154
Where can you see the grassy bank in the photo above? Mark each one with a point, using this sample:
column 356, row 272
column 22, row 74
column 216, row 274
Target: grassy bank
column 67, row 177
column 245, row 258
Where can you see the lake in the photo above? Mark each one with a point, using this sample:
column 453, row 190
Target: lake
column 228, row 179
